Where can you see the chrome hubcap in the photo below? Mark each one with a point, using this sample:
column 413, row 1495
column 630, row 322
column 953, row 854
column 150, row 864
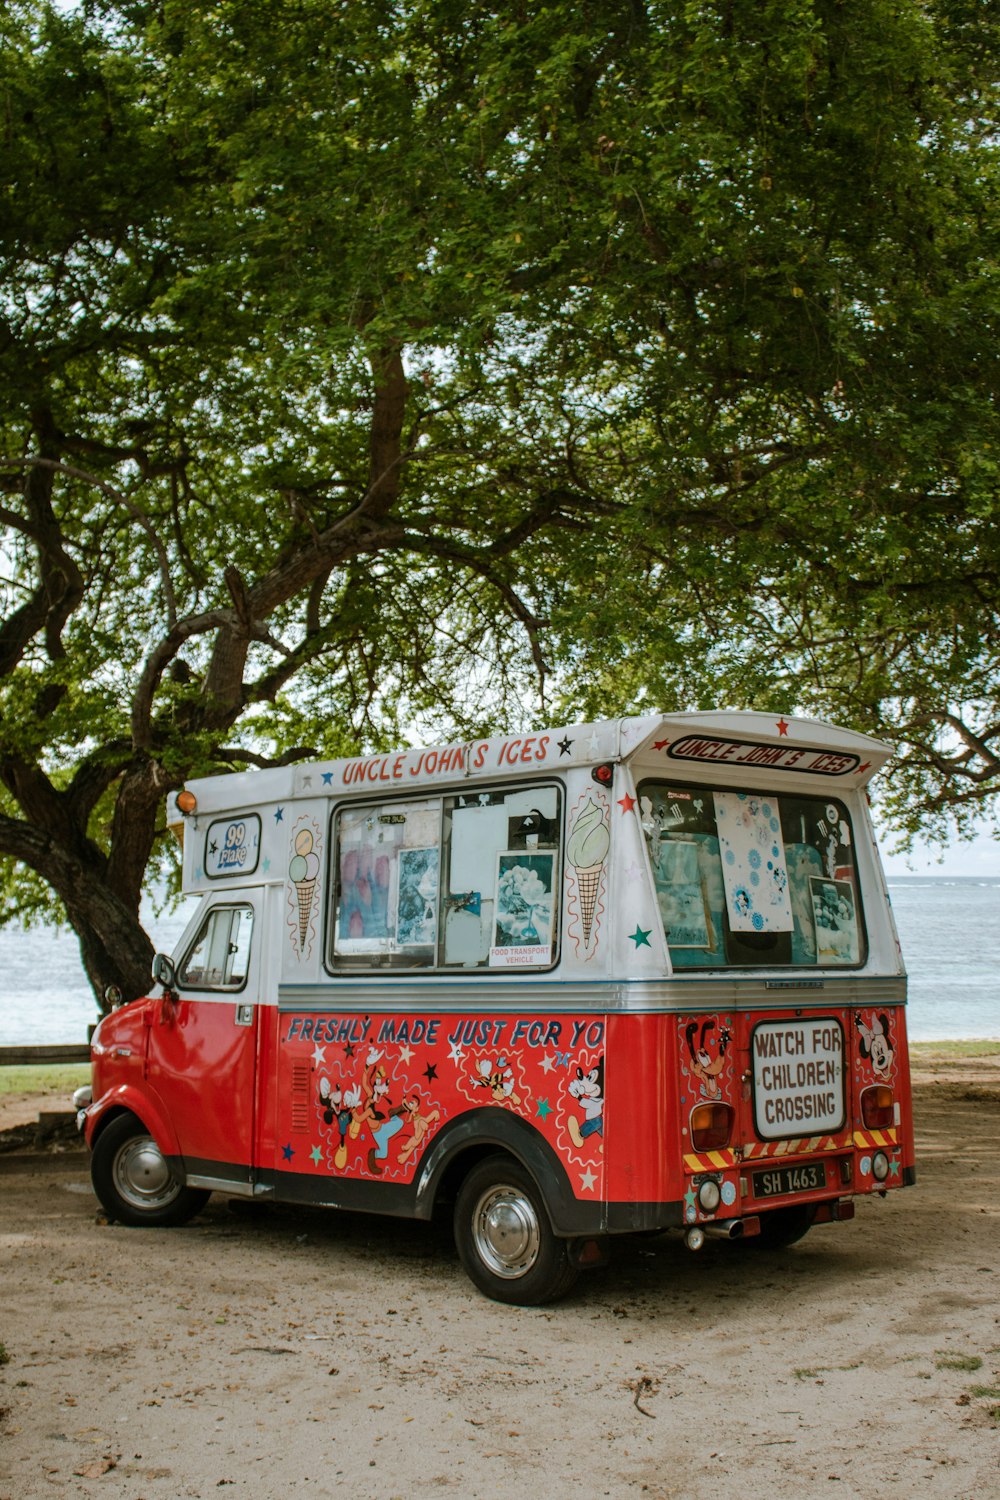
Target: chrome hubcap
column 142, row 1176
column 506, row 1232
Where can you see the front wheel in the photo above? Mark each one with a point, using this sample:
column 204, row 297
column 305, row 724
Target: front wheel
column 504, row 1238
column 134, row 1181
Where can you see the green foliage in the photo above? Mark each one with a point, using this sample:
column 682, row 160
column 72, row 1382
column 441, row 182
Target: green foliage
column 392, row 372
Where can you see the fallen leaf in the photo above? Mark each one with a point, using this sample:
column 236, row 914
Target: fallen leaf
column 97, row 1468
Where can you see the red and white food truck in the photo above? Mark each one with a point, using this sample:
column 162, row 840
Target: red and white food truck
column 615, row 977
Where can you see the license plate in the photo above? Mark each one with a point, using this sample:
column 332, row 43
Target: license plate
column 782, row 1180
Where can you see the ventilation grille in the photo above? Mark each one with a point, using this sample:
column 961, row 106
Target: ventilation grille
column 301, row 1072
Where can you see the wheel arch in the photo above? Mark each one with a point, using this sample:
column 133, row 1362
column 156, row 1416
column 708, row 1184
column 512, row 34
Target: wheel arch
column 128, row 1101
column 480, row 1133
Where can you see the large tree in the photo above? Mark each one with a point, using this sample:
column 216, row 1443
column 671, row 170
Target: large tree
column 371, row 367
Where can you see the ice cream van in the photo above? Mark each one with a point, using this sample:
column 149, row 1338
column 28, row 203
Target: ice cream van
column 611, row 978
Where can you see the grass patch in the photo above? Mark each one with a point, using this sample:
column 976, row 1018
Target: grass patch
column 966, row 1362
column 985, row 1392
column 824, row 1370
column 925, row 1051
column 46, row 1078
column 4, row 1356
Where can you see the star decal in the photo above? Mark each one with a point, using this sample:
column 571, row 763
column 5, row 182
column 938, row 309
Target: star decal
column 456, row 1054
column 632, row 873
column 319, row 1055
column 327, row 778
column 266, row 866
column 198, row 873
column 626, row 803
column 588, row 1181
column 431, row 1072
column 689, row 1199
column 316, row 1155
column 593, row 745
column 543, row 1109
column 307, row 781
column 639, row 937
column 660, row 744
column 866, row 767
column 279, row 814
column 548, row 1063
column 894, row 1167
column 565, row 746
column 288, row 1151
column 405, row 1053
column 782, row 727
column 348, row 1049
column 213, row 847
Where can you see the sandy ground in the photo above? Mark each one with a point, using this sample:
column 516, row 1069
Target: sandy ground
column 297, row 1353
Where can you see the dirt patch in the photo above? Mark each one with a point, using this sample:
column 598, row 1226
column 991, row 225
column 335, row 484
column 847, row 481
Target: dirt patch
column 288, row 1352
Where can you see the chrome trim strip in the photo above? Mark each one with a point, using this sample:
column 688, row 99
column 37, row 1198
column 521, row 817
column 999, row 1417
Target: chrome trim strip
column 221, row 1185
column 681, row 996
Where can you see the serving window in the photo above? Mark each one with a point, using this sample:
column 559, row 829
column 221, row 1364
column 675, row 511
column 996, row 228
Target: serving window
column 745, row 878
column 462, row 882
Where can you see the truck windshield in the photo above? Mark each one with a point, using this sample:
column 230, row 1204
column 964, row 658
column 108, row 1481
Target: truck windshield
column 747, row 878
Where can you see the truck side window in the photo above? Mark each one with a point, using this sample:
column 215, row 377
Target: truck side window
column 219, row 957
column 465, row 881
column 501, row 894
column 387, row 874
column 748, row 879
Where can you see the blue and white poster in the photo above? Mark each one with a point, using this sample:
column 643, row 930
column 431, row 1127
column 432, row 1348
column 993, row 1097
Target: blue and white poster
column 753, row 862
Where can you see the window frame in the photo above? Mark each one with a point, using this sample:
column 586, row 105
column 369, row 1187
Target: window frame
column 362, row 966
column 726, row 965
column 218, row 989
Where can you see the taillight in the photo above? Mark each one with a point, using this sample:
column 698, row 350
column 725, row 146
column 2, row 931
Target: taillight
column 877, row 1107
column 712, row 1126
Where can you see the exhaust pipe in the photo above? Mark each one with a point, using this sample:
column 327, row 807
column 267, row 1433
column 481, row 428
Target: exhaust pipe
column 722, row 1229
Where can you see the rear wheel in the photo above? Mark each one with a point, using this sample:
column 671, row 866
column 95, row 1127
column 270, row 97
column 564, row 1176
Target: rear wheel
column 781, row 1227
column 504, row 1238
column 135, row 1182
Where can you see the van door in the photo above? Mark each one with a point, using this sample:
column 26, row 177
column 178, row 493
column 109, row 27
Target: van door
column 201, row 1058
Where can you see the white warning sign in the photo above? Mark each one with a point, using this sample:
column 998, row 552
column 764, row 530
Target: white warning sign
column 798, row 1077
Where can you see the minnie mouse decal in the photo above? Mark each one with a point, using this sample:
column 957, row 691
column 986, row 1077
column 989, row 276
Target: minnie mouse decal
column 876, row 1043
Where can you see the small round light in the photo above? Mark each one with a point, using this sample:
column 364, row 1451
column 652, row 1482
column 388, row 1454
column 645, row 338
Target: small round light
column 880, row 1166
column 186, row 802
column 709, row 1196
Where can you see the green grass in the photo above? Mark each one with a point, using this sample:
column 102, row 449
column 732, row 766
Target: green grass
column 45, row 1078
column 926, row 1050
column 967, row 1362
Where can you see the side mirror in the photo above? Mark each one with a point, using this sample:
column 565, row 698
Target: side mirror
column 113, row 996
column 164, row 972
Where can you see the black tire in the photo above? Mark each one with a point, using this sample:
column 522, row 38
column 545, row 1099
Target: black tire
column 504, row 1237
column 135, row 1183
column 781, row 1227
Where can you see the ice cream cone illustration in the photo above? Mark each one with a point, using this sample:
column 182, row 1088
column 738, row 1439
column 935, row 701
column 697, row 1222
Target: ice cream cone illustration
column 586, row 851
column 303, row 871
column 589, row 881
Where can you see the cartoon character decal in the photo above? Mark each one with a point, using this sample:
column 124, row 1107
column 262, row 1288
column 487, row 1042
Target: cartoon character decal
column 706, row 1065
column 876, row 1043
column 587, row 1088
column 375, row 1090
column 498, row 1077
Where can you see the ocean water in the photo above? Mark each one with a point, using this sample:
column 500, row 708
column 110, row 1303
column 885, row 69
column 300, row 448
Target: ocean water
column 949, row 930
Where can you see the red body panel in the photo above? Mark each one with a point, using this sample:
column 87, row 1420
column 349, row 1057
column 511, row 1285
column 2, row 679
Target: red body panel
column 362, row 1098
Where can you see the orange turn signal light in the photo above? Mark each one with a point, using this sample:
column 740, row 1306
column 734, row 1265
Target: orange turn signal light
column 712, row 1126
column 877, row 1107
column 186, row 802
